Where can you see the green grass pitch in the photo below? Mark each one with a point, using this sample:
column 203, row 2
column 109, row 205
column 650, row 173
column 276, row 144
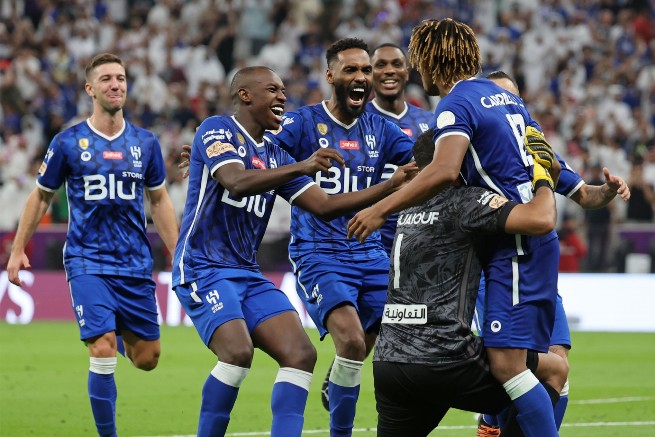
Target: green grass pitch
column 43, row 371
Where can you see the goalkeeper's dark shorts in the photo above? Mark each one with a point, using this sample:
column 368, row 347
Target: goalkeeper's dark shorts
column 411, row 399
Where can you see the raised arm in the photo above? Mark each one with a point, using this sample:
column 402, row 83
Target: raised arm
column 599, row 196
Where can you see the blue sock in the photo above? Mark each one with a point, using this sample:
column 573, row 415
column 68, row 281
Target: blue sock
column 560, row 407
column 120, row 347
column 343, row 391
column 533, row 405
column 218, row 397
column 288, row 402
column 102, row 394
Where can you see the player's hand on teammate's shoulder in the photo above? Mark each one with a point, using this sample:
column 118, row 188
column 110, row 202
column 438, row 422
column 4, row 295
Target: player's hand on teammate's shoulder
column 617, row 184
column 403, row 175
column 185, row 155
column 322, row 160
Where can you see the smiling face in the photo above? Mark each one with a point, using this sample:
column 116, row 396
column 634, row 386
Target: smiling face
column 351, row 76
column 107, row 86
column 390, row 72
column 265, row 95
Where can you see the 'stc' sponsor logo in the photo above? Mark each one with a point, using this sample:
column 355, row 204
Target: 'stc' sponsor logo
column 349, row 145
column 108, row 154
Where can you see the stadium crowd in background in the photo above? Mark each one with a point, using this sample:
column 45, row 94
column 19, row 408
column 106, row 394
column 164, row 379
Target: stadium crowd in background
column 585, row 69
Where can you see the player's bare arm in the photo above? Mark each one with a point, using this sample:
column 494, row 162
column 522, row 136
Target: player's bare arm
column 241, row 182
column 163, row 216
column 328, row 207
column 35, row 208
column 440, row 173
column 599, row 196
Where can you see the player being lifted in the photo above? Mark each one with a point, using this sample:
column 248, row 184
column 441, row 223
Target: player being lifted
column 479, row 131
column 234, row 175
column 108, row 165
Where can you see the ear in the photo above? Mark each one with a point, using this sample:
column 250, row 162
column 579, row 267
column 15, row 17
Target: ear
column 244, row 95
column 89, row 90
column 329, row 75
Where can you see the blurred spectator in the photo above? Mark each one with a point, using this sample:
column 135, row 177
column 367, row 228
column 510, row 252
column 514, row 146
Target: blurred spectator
column 598, row 227
column 571, row 247
column 642, row 197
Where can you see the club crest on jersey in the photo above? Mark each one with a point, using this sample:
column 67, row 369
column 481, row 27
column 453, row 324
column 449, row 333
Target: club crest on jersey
column 83, row 143
column 349, row 145
column 322, row 128
column 258, row 163
column 110, row 154
column 423, row 126
column 241, row 139
column 135, row 151
column 218, row 148
column 372, row 146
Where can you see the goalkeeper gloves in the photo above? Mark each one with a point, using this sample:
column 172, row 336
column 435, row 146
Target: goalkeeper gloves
column 540, row 176
column 539, row 148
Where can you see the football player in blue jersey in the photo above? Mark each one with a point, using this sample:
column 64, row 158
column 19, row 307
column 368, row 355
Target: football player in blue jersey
column 480, row 130
column 589, row 197
column 343, row 282
column 235, row 173
column 108, row 165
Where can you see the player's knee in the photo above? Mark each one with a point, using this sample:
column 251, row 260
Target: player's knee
column 240, row 356
column 146, row 361
column 352, row 347
column 303, row 357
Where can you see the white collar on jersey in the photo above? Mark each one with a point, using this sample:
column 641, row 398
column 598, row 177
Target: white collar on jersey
column 391, row 114
column 245, row 132
column 327, row 111
column 118, row 134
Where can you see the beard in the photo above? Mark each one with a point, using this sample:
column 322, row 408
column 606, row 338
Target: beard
column 343, row 94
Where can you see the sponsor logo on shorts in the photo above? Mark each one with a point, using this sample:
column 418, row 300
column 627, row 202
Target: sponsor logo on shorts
column 405, row 314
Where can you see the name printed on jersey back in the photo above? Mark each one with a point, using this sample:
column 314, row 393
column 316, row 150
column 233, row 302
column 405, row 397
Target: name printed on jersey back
column 418, row 218
column 500, row 99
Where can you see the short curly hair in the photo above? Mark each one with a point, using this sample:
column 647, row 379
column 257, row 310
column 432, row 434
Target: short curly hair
column 343, row 44
column 446, row 50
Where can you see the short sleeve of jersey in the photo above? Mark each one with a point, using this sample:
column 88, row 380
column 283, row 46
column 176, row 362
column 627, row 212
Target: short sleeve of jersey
column 483, row 211
column 290, row 133
column 454, row 115
column 54, row 168
column 569, row 181
column 156, row 171
column 214, row 144
column 292, row 189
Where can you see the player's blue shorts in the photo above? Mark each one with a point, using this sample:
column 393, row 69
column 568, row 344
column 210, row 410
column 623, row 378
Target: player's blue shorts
column 229, row 294
column 520, row 301
column 107, row 303
column 560, row 335
column 325, row 282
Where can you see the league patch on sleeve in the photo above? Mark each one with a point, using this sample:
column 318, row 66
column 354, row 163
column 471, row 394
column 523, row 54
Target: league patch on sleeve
column 218, row 148
column 446, row 118
column 43, row 168
column 497, row 201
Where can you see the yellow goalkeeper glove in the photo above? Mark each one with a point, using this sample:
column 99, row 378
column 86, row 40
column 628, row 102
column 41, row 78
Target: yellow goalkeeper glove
column 540, row 176
column 539, row 148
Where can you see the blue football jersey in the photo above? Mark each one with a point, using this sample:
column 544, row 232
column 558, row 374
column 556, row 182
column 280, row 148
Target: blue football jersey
column 494, row 122
column 413, row 121
column 368, row 144
column 569, row 181
column 105, row 178
column 217, row 229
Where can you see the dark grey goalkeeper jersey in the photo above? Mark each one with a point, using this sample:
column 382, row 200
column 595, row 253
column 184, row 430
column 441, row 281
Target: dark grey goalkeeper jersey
column 434, row 277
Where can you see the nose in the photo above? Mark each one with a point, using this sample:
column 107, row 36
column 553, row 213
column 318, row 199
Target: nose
column 281, row 96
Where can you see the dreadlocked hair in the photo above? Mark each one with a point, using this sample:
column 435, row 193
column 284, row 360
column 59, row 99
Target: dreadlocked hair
column 446, row 50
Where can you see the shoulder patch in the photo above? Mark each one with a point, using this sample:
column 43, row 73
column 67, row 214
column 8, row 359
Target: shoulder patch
column 43, row 168
column 218, row 148
column 497, row 201
column 446, row 118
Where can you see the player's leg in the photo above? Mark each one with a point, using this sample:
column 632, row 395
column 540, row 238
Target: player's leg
column 520, row 315
column 219, row 320
column 284, row 339
column 560, row 345
column 329, row 289
column 94, row 305
column 410, row 398
column 137, row 321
